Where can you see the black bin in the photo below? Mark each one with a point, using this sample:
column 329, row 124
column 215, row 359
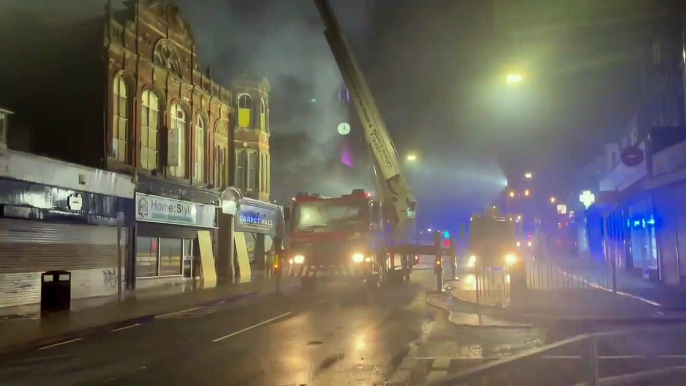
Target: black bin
column 55, row 291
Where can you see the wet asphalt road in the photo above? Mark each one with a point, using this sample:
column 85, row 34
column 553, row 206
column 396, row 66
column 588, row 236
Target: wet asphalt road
column 339, row 335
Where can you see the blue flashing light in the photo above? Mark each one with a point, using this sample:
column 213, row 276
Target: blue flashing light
column 651, row 221
column 643, row 223
column 637, row 223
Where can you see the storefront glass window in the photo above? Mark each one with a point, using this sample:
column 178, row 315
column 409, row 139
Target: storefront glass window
column 170, row 257
column 146, row 256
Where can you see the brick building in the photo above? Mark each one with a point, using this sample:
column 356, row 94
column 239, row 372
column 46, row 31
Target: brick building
column 125, row 92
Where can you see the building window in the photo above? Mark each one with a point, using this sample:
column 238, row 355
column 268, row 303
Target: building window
column 120, row 124
column 178, row 126
column 244, row 110
column 160, row 256
column 150, row 115
column 146, row 256
column 252, row 174
column 199, row 171
column 170, row 257
column 263, row 115
column 240, row 169
column 220, row 155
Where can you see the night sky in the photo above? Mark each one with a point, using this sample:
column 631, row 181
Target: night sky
column 436, row 69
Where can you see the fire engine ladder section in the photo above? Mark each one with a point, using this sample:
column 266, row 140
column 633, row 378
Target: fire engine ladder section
column 393, row 187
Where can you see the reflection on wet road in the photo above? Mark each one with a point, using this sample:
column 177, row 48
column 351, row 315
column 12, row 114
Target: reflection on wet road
column 340, row 335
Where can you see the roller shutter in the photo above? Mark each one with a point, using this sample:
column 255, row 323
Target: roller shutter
column 28, row 248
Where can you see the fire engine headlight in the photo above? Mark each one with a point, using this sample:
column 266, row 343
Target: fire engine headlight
column 471, row 262
column 298, row 259
column 358, row 257
column 510, row 259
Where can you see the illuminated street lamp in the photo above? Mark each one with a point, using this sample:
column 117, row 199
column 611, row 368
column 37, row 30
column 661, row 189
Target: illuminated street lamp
column 552, row 200
column 512, row 194
column 526, row 192
column 514, row 78
column 528, row 175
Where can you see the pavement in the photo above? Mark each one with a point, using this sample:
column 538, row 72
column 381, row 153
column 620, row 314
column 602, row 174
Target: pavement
column 23, row 327
column 560, row 291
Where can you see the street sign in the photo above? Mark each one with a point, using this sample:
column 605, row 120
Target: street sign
column 632, row 156
column 562, row 209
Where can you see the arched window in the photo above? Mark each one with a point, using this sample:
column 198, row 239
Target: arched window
column 150, row 114
column 199, row 171
column 178, row 150
column 221, row 143
column 120, row 123
column 263, row 115
column 244, row 110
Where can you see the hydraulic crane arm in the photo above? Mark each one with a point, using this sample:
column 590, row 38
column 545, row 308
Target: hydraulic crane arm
column 391, row 183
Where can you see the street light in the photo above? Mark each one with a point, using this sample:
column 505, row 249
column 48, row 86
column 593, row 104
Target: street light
column 512, row 194
column 528, row 175
column 552, row 200
column 514, row 78
column 526, row 192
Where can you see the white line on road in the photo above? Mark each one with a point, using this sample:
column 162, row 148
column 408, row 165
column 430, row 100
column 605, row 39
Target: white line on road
column 60, row 343
column 176, row 313
column 125, row 327
column 561, row 357
column 251, row 327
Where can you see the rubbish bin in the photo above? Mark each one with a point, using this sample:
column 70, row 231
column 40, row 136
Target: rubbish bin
column 55, row 291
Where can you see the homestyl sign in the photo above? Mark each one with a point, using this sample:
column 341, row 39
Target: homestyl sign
column 165, row 210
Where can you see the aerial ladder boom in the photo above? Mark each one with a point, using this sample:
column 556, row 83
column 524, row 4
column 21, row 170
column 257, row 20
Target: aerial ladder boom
column 393, row 188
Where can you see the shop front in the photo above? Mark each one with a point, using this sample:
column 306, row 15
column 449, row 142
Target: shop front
column 169, row 238
column 256, row 224
column 60, row 216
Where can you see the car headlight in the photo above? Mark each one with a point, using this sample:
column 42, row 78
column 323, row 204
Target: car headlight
column 471, row 262
column 518, row 243
column 529, row 243
column 358, row 257
column 298, row 259
column 510, row 259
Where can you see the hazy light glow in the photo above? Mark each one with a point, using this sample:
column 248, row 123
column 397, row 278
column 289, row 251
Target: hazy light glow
column 514, row 78
column 528, row 175
column 526, row 192
column 552, row 200
column 412, row 157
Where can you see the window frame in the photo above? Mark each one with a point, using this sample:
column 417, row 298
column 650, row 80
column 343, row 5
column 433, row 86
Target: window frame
column 146, row 99
column 240, row 169
column 248, row 105
column 199, row 166
column 180, row 170
column 118, row 84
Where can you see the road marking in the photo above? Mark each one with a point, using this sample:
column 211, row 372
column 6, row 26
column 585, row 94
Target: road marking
column 176, row 313
column 125, row 327
column 561, row 356
column 251, row 327
column 59, row 344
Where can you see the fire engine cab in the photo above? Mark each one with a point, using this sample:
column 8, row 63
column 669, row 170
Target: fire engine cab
column 336, row 236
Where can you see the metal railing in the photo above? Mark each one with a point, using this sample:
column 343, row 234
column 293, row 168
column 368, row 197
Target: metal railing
column 578, row 361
